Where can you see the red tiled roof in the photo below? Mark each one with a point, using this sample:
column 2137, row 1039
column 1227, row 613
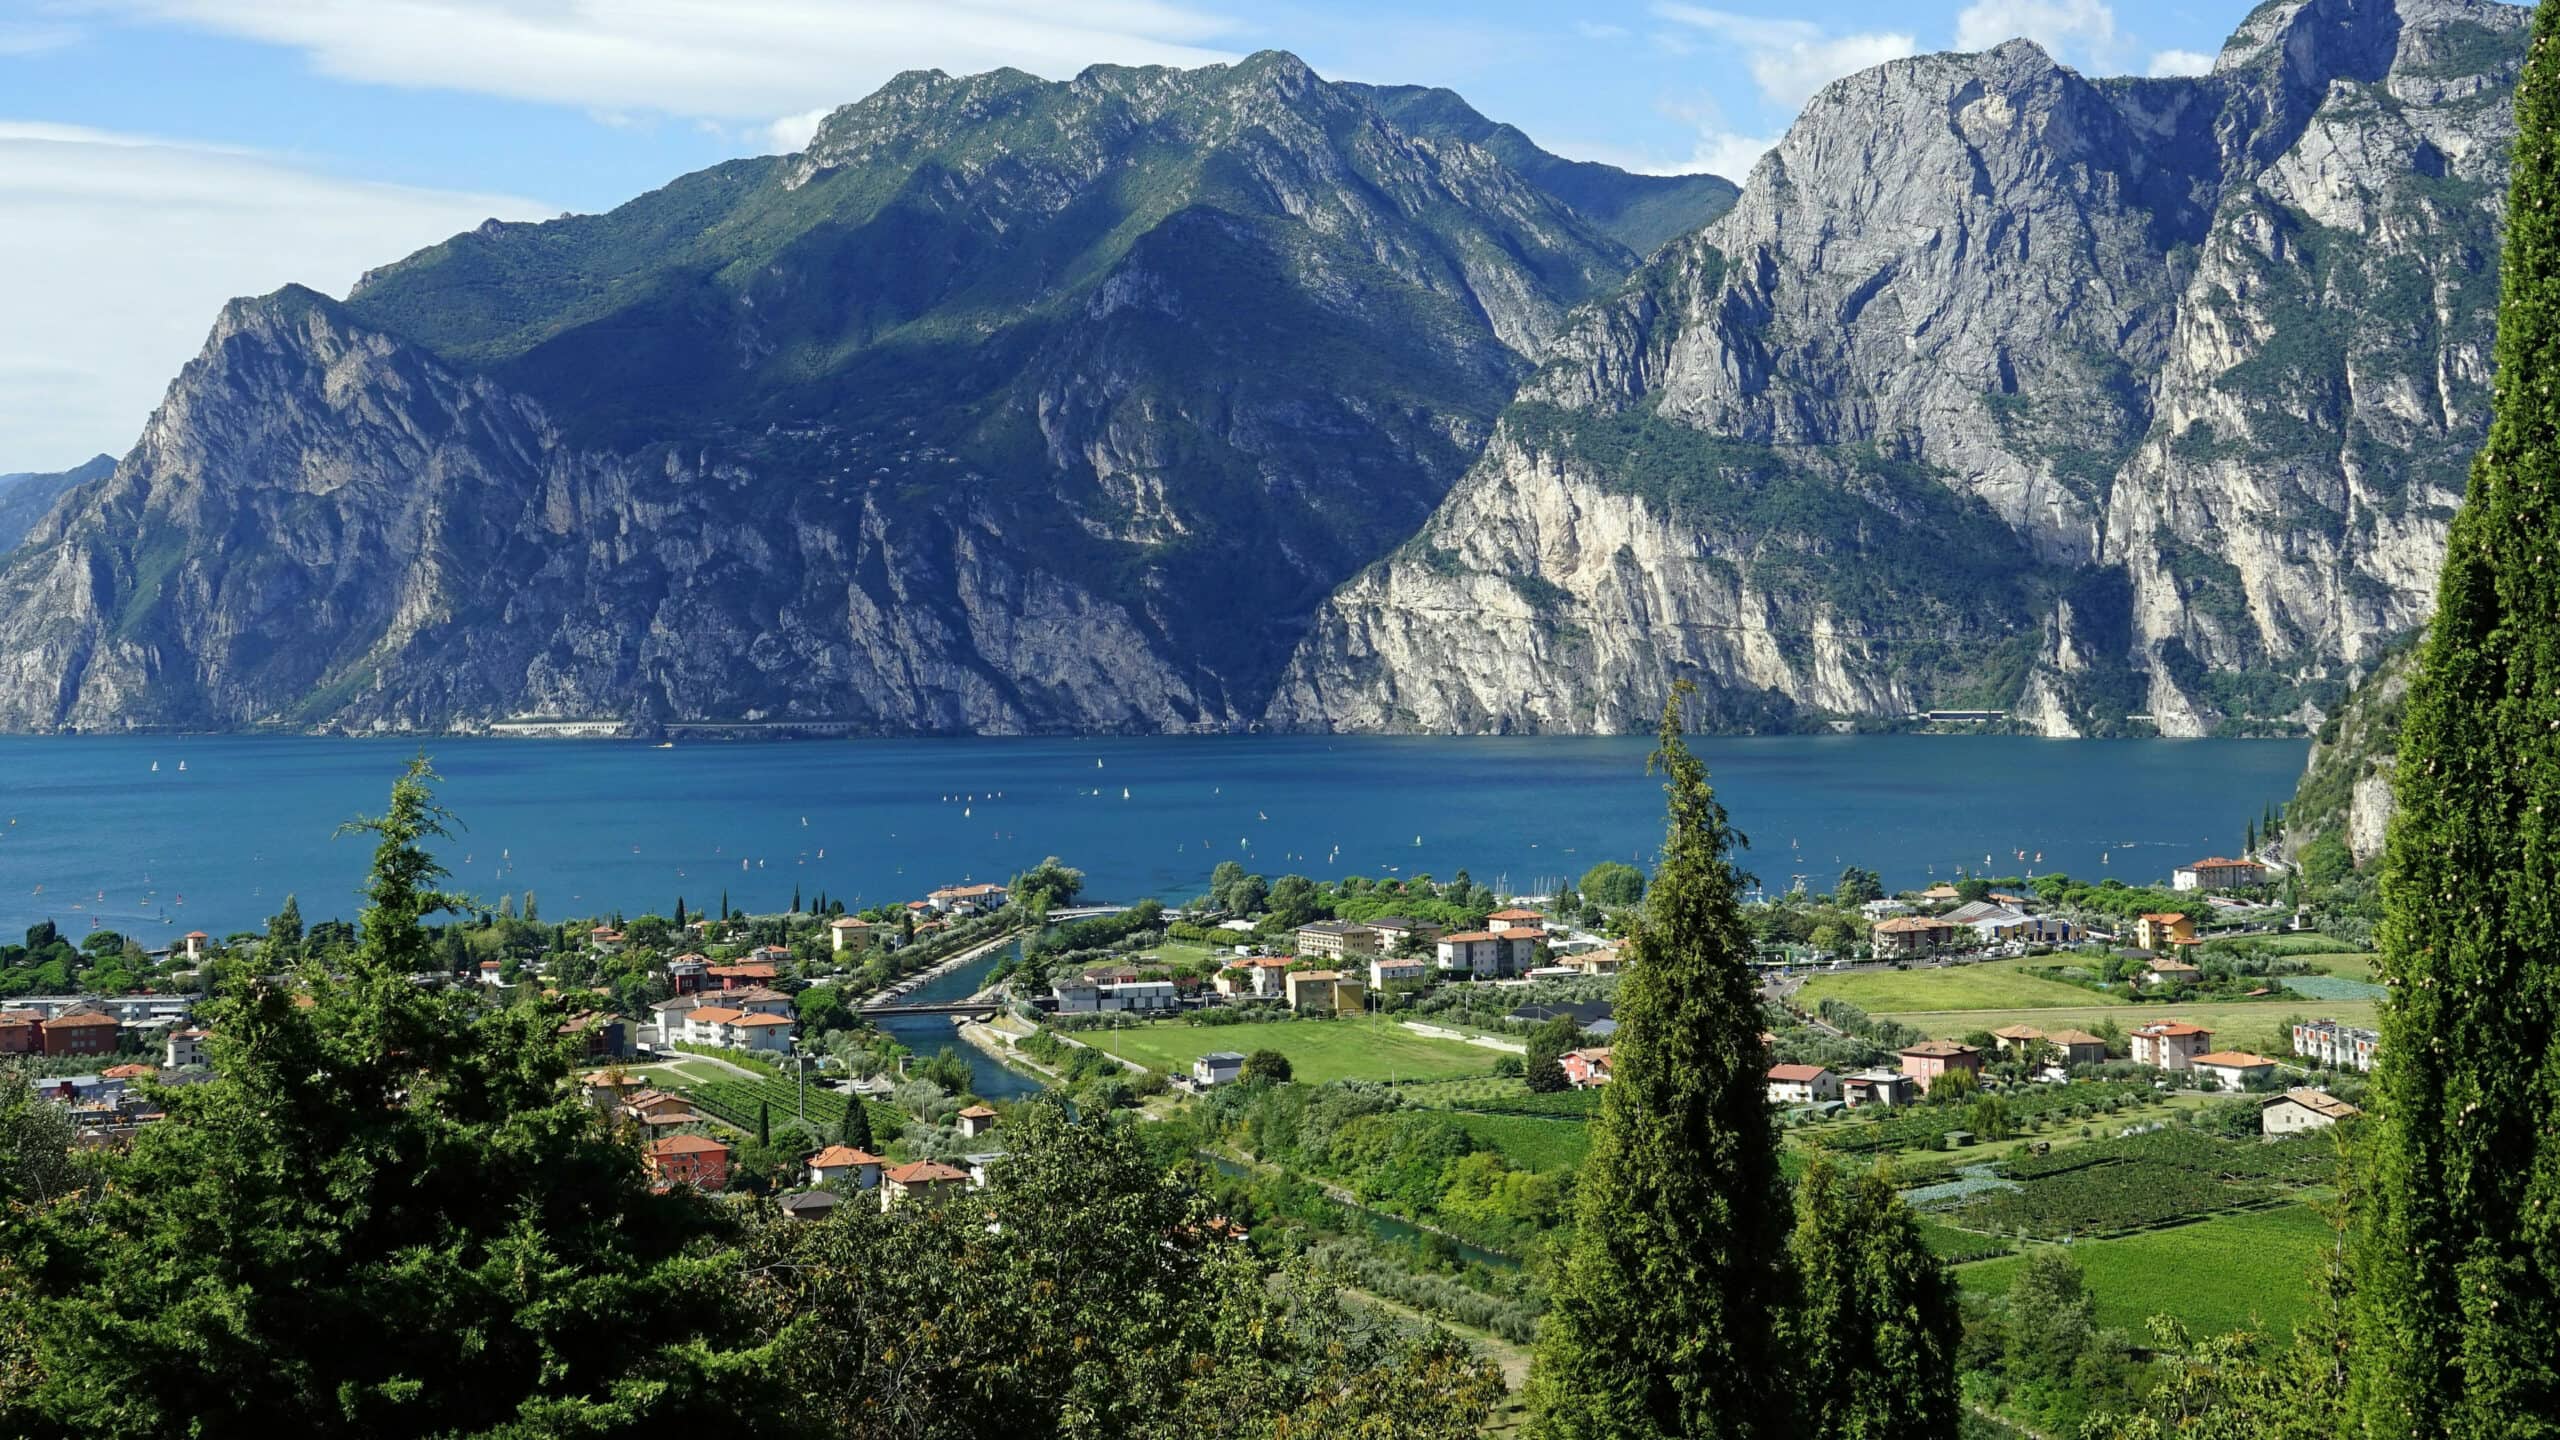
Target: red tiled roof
column 2171, row 1027
column 837, row 1157
column 715, row 1014
column 1465, row 936
column 1939, row 1049
column 79, row 1018
column 1515, row 915
column 977, row 1112
column 129, row 1072
column 197, row 935
column 2236, row 1059
column 2171, row 918
column 924, row 1172
column 766, row 1021
column 1796, row 1074
column 686, row 1145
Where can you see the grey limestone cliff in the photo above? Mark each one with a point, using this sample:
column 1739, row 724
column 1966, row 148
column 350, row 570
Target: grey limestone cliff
column 2111, row 404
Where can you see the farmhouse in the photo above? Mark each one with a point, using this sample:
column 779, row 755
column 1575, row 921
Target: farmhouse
column 2298, row 1109
column 2169, row 1044
column 922, row 1181
column 975, row 1121
column 2078, row 1047
column 695, row 1160
column 1801, row 1084
column 1586, row 1068
column 849, row 932
column 2019, row 1039
column 843, row 1164
column 1930, row 1060
column 1875, row 1087
column 2171, row 972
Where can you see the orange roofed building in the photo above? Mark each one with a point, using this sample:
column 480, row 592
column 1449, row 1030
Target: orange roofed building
column 695, row 1160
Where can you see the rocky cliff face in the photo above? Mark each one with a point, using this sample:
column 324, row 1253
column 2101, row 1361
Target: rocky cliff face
column 1997, row 388
column 24, row 497
column 1006, row 406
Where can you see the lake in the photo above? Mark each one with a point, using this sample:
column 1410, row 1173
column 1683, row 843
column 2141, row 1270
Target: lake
column 164, row 834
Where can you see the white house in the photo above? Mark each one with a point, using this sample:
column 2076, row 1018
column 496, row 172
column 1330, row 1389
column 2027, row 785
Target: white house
column 1488, row 954
column 1137, row 995
column 1217, row 1067
column 1076, row 997
column 2232, row 1069
column 1387, row 970
column 183, row 1047
column 855, row 1169
column 1801, row 1084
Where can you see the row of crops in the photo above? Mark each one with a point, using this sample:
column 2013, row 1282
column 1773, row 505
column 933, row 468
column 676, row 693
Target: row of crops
column 1918, row 1126
column 2130, row 1183
column 737, row 1102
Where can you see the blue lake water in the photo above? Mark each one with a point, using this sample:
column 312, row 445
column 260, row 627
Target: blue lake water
column 926, row 1034
column 599, row 826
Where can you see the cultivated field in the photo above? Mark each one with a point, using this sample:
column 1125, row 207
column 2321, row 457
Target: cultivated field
column 2216, row 1275
column 1528, row 1142
column 1995, row 985
column 1361, row 1048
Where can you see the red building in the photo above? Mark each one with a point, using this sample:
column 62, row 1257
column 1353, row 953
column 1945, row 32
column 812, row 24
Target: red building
column 693, row 1160
column 80, row 1032
column 1929, row 1059
column 21, row 1032
column 1586, row 1068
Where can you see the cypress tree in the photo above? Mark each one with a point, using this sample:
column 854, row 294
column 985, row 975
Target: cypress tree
column 764, row 1122
column 856, row 1127
column 1666, row 1311
column 2457, row 1253
column 679, row 912
column 1875, row 1320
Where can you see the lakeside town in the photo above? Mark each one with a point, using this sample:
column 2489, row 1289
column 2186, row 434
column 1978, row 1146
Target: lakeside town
column 2050, row 1068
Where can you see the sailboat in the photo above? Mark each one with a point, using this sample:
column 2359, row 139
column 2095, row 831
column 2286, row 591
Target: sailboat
column 182, row 767
column 1124, row 792
column 155, row 767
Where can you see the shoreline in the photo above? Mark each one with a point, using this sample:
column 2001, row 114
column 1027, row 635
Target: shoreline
column 897, row 989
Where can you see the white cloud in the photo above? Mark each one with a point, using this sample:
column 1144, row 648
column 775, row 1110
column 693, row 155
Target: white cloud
column 2181, row 62
column 794, row 132
column 2079, row 32
column 120, row 249
column 739, row 60
column 1722, row 152
column 1791, row 59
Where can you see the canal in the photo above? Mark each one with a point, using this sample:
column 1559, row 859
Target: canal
column 926, row 1034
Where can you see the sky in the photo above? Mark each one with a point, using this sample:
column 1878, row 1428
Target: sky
column 158, row 157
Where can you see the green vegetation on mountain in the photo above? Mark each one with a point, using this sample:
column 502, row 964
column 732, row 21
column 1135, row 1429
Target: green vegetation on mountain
column 2457, row 1267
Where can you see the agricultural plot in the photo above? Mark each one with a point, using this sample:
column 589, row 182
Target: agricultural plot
column 1998, row 985
column 1352, row 1048
column 2333, row 987
column 1528, row 1142
column 1913, row 1127
column 737, row 1102
column 2139, row 1182
column 2217, row 1275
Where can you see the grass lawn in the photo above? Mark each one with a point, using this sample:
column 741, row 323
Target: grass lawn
column 1362, row 1048
column 2236, row 1024
column 2344, row 965
column 2215, row 1274
column 1995, row 985
column 1528, row 1142
column 1176, row 952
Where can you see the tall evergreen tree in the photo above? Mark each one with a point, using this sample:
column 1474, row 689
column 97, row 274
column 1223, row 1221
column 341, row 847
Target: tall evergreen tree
column 1875, row 1317
column 855, row 1129
column 2457, row 1261
column 679, row 912
column 284, row 928
column 1666, row 1312
column 764, row 1122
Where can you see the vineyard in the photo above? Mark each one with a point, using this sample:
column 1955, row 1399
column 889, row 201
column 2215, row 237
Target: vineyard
column 2132, row 1183
column 1486, row 1095
column 737, row 1101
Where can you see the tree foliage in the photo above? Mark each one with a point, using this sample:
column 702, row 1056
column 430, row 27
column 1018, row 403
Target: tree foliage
column 1613, row 883
column 1875, row 1318
column 1666, row 1308
column 2458, row 1256
column 387, row 1215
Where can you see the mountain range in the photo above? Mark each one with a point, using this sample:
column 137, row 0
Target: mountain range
column 1233, row 397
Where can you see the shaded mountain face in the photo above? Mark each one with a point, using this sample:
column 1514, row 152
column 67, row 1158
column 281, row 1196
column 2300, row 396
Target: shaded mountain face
column 24, row 497
column 1005, row 406
column 2111, row 404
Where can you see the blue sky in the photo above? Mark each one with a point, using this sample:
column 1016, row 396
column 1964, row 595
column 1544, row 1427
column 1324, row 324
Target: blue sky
column 159, row 156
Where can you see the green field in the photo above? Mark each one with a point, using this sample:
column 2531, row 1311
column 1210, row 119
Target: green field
column 2216, row 1275
column 2346, row 966
column 1360, row 1048
column 1998, row 985
column 1528, row 1142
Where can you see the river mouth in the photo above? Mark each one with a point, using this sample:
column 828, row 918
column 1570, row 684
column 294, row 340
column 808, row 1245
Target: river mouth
column 989, row 1078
